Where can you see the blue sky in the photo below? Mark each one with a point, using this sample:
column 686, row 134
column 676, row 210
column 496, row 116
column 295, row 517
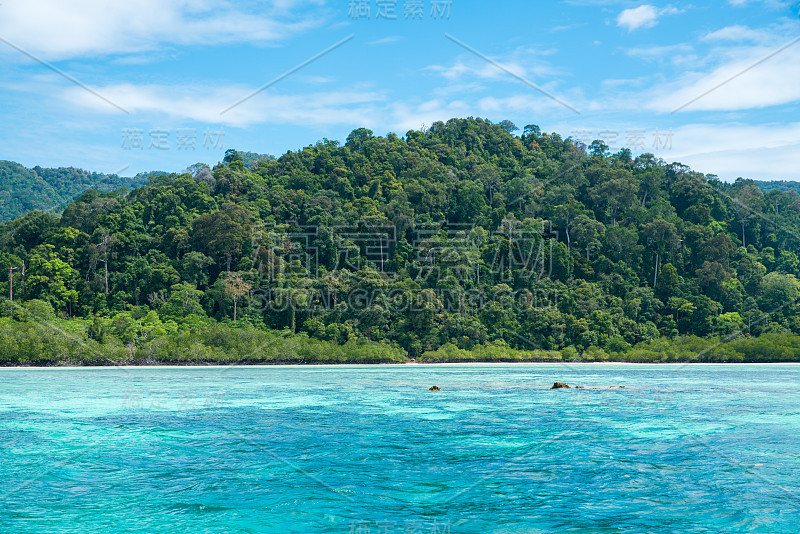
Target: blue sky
column 128, row 87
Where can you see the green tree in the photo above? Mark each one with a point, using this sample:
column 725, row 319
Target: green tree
column 222, row 234
column 51, row 279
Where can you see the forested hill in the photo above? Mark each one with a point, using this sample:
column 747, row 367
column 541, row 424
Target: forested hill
column 23, row 190
column 462, row 237
column 777, row 185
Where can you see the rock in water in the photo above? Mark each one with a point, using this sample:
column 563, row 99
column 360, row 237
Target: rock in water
column 434, row 388
column 559, row 385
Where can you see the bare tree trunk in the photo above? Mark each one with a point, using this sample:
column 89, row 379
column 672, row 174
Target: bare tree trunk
column 106, row 242
column 381, row 241
column 655, row 274
column 743, row 243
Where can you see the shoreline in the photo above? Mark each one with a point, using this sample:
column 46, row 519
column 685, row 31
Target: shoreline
column 405, row 364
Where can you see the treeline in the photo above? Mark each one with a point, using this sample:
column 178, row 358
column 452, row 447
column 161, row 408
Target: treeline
column 33, row 335
column 767, row 348
column 461, row 240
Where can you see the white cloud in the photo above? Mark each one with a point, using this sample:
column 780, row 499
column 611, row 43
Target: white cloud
column 773, row 35
column 532, row 103
column 523, row 62
column 386, row 40
column 758, row 77
column 55, row 29
column 773, row 4
column 160, row 106
column 644, row 16
column 640, row 17
column 205, row 104
column 739, row 33
column 677, row 54
column 763, row 152
column 483, row 70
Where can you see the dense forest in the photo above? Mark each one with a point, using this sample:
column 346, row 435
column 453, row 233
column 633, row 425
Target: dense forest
column 23, row 190
column 467, row 241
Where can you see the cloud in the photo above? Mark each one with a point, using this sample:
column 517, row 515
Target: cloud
column 163, row 105
column 773, row 4
column 752, row 77
column 522, row 62
column 734, row 33
column 158, row 103
column 55, row 29
column 677, row 53
column 386, row 40
column 762, row 151
column 738, row 33
column 485, row 71
column 567, row 27
column 644, row 16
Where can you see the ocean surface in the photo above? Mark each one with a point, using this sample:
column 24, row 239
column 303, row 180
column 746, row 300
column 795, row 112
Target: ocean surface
column 368, row 449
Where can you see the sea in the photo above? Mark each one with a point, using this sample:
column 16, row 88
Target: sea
column 371, row 450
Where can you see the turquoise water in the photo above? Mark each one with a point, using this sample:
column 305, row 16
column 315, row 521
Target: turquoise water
column 368, row 449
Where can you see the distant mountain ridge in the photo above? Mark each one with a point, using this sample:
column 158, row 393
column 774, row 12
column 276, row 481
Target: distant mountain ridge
column 23, row 190
column 777, row 185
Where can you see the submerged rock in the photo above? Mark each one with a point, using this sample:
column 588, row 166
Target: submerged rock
column 434, row 388
column 559, row 385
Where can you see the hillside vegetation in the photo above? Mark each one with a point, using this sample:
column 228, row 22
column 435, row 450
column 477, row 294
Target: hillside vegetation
column 23, row 190
column 462, row 242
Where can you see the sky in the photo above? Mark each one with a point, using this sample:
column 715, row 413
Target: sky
column 126, row 87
